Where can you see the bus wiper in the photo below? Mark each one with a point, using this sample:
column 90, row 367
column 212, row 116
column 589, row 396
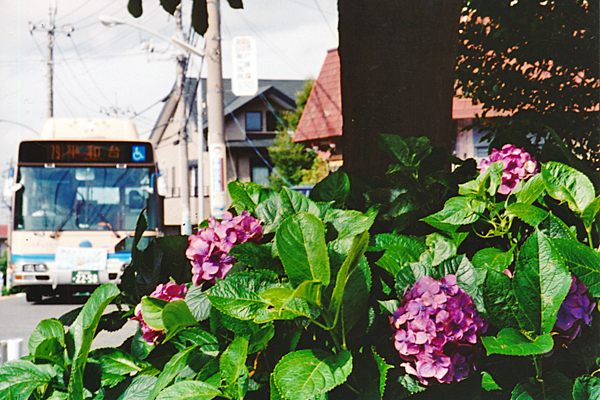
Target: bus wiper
column 63, row 222
column 105, row 220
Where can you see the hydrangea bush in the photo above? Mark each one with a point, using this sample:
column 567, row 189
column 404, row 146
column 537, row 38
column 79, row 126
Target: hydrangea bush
column 488, row 290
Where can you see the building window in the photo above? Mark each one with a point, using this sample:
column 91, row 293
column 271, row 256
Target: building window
column 254, row 121
column 260, row 175
column 271, row 122
column 481, row 151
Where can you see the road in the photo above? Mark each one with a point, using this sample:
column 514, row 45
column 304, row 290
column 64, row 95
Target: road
column 18, row 319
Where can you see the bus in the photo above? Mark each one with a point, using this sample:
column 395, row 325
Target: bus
column 78, row 192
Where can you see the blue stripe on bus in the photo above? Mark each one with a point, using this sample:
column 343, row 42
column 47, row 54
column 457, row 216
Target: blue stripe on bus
column 40, row 258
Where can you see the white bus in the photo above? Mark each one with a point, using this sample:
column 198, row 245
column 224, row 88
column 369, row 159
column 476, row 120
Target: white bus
column 78, row 192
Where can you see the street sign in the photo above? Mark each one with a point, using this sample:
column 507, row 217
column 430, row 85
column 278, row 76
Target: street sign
column 244, row 80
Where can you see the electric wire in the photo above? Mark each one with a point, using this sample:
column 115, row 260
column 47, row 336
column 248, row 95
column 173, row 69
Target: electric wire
column 88, row 71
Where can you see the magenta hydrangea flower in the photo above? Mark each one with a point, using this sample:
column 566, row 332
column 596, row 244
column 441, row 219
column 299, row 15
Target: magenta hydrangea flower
column 209, row 248
column 518, row 166
column 437, row 331
column 574, row 311
column 168, row 292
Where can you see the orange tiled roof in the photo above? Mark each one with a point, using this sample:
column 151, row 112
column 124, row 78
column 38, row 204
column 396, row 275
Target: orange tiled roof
column 322, row 116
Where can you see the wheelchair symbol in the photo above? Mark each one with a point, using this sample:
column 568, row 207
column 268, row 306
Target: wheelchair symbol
column 138, row 153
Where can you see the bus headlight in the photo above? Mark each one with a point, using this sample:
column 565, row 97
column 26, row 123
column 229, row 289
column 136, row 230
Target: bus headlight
column 34, row 268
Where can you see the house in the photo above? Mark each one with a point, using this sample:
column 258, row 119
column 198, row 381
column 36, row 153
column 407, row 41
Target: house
column 250, row 124
column 320, row 126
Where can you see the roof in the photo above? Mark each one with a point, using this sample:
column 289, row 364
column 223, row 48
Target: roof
column 281, row 91
column 322, row 116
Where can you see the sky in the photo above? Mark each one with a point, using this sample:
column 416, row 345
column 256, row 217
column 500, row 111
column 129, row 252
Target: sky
column 102, row 72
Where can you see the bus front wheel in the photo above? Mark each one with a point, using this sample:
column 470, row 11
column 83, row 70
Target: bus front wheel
column 33, row 295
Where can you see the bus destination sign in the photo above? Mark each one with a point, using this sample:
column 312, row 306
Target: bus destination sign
column 85, row 152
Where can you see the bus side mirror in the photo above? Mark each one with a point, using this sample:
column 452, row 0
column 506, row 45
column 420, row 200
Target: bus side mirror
column 11, row 187
column 161, row 184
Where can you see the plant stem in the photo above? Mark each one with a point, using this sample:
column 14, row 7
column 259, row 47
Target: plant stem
column 538, row 367
column 589, row 235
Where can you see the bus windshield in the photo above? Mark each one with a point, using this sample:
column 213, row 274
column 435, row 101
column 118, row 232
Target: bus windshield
column 87, row 198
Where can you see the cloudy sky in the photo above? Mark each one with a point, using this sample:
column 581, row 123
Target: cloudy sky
column 100, row 70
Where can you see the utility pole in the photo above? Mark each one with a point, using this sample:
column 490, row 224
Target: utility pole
column 216, row 119
column 50, row 29
column 184, row 175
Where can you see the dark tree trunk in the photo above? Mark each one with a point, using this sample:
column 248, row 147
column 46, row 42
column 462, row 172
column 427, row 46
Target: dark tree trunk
column 397, row 74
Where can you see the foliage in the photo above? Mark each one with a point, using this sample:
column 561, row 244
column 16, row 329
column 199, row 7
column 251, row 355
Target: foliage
column 199, row 11
column 538, row 61
column 294, row 164
column 304, row 313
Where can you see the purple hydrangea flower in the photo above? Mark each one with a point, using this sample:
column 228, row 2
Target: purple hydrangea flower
column 437, row 331
column 575, row 311
column 209, row 248
column 168, row 292
column 518, row 166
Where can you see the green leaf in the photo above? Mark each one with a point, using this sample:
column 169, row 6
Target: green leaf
column 457, row 211
column 411, row 384
column 20, row 378
column 492, row 258
column 233, row 360
column 487, row 181
column 309, row 291
column 408, row 151
column 307, row 373
column 388, row 306
column 176, row 316
column 488, row 383
column 238, row 295
column 512, row 342
column 52, row 350
column 564, row 183
column 301, row 247
column 359, row 246
column 140, row 388
column 399, row 251
column 152, row 309
column 189, row 390
column 293, row 202
column 541, row 282
column 255, row 256
column 466, row 277
column 283, row 305
column 531, row 190
column 170, row 5
column 586, row 388
column 135, row 8
column 114, row 362
column 582, row 261
column 348, row 224
column 588, row 216
column 268, row 211
column 441, row 247
column 198, row 303
column 46, row 329
column 554, row 386
column 383, row 368
column 246, row 195
column 81, row 334
column 172, row 368
column 334, row 188
column 529, row 214
column 500, row 302
column 553, row 228
column 410, row 274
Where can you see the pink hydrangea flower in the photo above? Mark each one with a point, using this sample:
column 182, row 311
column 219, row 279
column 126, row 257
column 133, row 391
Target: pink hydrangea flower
column 209, row 248
column 518, row 166
column 437, row 331
column 168, row 292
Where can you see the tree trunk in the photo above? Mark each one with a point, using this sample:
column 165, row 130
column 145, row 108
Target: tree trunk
column 397, row 75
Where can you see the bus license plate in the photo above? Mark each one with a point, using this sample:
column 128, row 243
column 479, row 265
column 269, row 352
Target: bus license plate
column 85, row 278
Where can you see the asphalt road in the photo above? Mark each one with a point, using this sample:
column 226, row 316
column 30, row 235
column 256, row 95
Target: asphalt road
column 18, row 318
